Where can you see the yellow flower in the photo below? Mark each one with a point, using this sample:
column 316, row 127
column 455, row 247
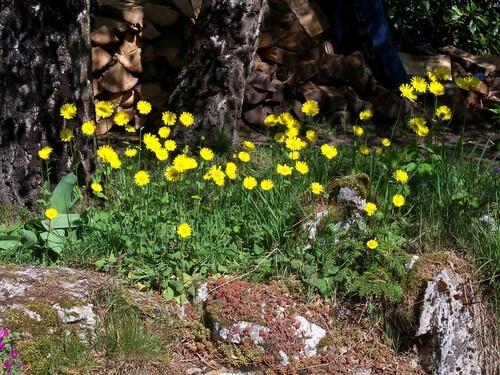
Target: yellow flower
column 66, row 135
column 215, row 174
column 161, row 154
column 432, row 77
column 68, row 111
column 295, row 144
column 311, row 135
column 121, row 119
column 231, row 170
column 466, row 83
column 294, row 155
column 400, row 176
column 372, row 244
column 357, row 130
column 96, row 187
column 172, row 174
column 130, row 152
column 169, row 118
column 45, row 152
column 443, row 112
column 51, row 213
column 302, row 167
column 386, row 142
column 284, row 169
column 286, row 119
column 442, row 73
column 329, row 151
column 108, row 155
column 316, row 188
column 378, row 150
column 129, row 129
column 244, row 156
column 183, row 163
column 186, row 119
column 398, row 200
column 170, row 145
column 206, row 153
column 310, row 108
column 292, row 131
column 141, row 178
column 151, row 142
column 164, row 132
column 370, row 208
column 143, row 107
column 419, row 84
column 271, row 120
column 408, row 92
column 88, row 128
column 418, row 124
column 249, row 182
column 266, row 185
column 249, row 146
column 104, row 109
column 436, row 88
column 364, row 149
column 184, row 230
column 280, row 137
column 365, row 115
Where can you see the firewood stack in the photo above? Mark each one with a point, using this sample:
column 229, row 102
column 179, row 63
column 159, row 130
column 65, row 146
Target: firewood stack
column 136, row 52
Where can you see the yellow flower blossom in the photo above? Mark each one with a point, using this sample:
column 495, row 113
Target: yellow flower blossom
column 68, row 111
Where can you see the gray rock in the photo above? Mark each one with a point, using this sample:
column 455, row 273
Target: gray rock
column 449, row 327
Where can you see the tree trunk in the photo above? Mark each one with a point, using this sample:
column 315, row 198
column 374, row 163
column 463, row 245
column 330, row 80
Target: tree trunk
column 45, row 62
column 212, row 84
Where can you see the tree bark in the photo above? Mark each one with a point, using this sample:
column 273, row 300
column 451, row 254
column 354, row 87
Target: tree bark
column 212, row 84
column 45, row 62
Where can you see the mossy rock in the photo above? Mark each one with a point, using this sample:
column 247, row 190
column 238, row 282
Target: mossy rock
column 408, row 309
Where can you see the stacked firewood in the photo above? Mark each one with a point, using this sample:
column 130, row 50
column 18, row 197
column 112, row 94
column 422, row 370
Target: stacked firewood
column 138, row 50
column 138, row 47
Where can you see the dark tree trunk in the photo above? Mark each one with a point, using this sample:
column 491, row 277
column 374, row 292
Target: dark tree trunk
column 44, row 62
column 212, row 84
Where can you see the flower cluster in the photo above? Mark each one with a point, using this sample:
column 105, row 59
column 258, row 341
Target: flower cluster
column 10, row 360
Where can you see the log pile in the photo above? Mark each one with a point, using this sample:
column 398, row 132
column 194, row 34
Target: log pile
column 137, row 52
column 138, row 49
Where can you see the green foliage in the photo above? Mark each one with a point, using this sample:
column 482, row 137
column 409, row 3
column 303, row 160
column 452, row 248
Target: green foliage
column 39, row 235
column 470, row 25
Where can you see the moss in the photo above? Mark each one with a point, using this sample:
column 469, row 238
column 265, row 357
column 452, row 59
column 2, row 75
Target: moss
column 41, row 339
column 407, row 311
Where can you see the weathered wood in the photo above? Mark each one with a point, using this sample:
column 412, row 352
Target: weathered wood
column 130, row 43
column 46, row 62
column 131, row 61
column 295, row 42
column 310, row 16
column 260, row 80
column 185, row 7
column 472, row 63
column 419, row 65
column 129, row 12
column 104, row 37
column 252, row 96
column 116, row 79
column 160, row 15
column 212, row 83
column 149, row 31
column 279, row 56
column 116, row 26
column 100, row 59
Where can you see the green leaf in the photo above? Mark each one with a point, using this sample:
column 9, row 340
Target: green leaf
column 54, row 239
column 99, row 264
column 8, row 242
column 176, row 285
column 61, row 197
column 168, row 294
column 64, row 221
column 29, row 238
column 424, row 169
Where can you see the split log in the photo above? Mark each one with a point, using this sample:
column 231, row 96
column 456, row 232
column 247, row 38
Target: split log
column 471, row 62
column 160, row 15
column 131, row 61
column 100, row 59
column 116, row 79
column 103, row 37
column 129, row 12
